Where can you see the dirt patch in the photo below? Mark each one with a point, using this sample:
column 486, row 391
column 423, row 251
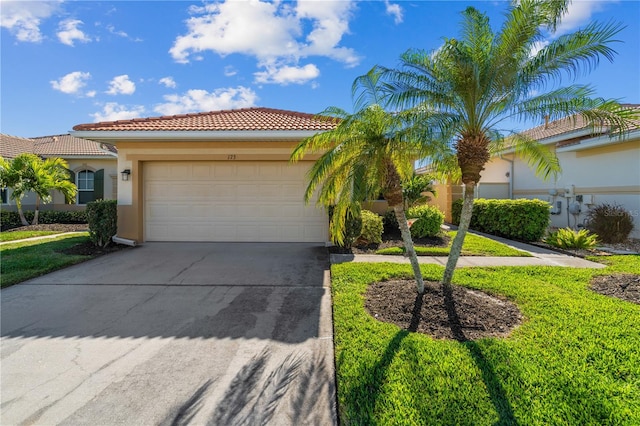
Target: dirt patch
column 463, row 315
column 391, row 240
column 59, row 227
column 622, row 286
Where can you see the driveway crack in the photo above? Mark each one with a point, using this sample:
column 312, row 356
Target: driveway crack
column 186, row 268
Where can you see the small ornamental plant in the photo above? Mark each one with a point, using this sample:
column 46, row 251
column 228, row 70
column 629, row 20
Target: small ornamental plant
column 567, row 238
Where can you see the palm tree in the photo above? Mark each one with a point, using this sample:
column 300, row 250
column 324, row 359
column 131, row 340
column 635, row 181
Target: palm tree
column 468, row 86
column 51, row 174
column 28, row 173
column 17, row 174
column 368, row 152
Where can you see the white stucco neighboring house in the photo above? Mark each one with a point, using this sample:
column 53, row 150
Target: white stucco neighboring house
column 93, row 167
column 597, row 168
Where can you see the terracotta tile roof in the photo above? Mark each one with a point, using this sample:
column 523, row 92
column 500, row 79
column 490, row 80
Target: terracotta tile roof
column 570, row 124
column 54, row 146
column 11, row 146
column 226, row 120
column 67, row 145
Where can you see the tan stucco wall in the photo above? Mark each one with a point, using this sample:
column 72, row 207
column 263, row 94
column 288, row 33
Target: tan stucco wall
column 134, row 155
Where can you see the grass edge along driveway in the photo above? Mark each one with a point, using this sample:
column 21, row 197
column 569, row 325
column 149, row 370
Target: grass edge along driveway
column 474, row 245
column 574, row 360
column 29, row 259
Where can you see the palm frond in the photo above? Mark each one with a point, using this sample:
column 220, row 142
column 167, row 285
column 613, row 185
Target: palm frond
column 540, row 158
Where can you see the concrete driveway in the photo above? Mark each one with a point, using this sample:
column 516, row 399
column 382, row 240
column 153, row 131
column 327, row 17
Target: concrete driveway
column 172, row 334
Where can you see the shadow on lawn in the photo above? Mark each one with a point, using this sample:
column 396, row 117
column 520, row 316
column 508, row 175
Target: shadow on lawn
column 375, row 377
column 489, row 377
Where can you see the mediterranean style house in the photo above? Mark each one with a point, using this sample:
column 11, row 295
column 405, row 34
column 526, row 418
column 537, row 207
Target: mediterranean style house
column 93, row 167
column 597, row 167
column 214, row 176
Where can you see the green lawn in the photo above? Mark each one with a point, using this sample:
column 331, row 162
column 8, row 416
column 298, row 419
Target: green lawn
column 20, row 235
column 574, row 361
column 29, row 259
column 474, row 245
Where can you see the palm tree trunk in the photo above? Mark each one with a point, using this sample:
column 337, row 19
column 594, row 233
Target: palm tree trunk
column 410, row 251
column 37, row 211
column 23, row 219
column 456, row 247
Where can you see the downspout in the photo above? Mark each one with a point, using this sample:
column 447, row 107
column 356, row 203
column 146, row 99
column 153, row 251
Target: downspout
column 511, row 176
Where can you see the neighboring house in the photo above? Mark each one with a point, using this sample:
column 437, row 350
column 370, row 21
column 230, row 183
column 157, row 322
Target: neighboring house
column 215, row 176
column 596, row 168
column 93, row 167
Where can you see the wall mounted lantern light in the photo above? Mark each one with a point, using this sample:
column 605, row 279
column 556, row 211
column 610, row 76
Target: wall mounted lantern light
column 125, row 174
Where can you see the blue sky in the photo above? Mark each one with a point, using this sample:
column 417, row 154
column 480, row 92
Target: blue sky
column 72, row 62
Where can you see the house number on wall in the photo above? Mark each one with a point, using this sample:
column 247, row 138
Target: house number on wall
column 231, row 157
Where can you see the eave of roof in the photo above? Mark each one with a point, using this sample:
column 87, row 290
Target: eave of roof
column 194, row 135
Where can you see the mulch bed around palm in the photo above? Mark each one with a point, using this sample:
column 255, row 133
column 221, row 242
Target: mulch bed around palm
column 465, row 315
column 622, row 286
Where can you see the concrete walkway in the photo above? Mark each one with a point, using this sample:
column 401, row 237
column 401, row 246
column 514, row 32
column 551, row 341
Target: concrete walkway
column 540, row 257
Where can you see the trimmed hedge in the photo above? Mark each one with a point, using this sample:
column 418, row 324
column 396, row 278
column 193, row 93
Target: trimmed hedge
column 428, row 223
column 11, row 219
column 371, row 232
column 522, row 219
column 102, row 216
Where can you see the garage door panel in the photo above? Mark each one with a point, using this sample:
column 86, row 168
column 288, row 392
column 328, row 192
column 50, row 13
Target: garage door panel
column 229, row 201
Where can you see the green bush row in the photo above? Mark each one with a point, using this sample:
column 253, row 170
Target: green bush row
column 371, row 232
column 102, row 216
column 11, row 219
column 429, row 219
column 522, row 219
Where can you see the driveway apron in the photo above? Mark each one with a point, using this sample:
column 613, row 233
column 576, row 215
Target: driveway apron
column 172, row 334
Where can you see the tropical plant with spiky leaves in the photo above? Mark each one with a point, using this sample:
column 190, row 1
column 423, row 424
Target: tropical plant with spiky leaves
column 416, row 190
column 369, row 152
column 470, row 85
column 51, row 174
column 29, row 173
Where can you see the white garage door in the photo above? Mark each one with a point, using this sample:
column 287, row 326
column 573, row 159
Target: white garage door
column 230, row 201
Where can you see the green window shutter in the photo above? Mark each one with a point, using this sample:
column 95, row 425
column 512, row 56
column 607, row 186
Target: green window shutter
column 98, row 185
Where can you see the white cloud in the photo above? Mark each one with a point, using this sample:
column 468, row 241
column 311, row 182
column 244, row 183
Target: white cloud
column 112, row 29
column 113, row 111
column 230, row 71
column 121, row 85
column 275, row 33
column 71, row 83
column 68, row 32
column 23, row 19
column 538, row 46
column 91, row 94
column 201, row 100
column 578, row 13
column 288, row 74
column 394, row 10
column 168, row 82
column 119, row 33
